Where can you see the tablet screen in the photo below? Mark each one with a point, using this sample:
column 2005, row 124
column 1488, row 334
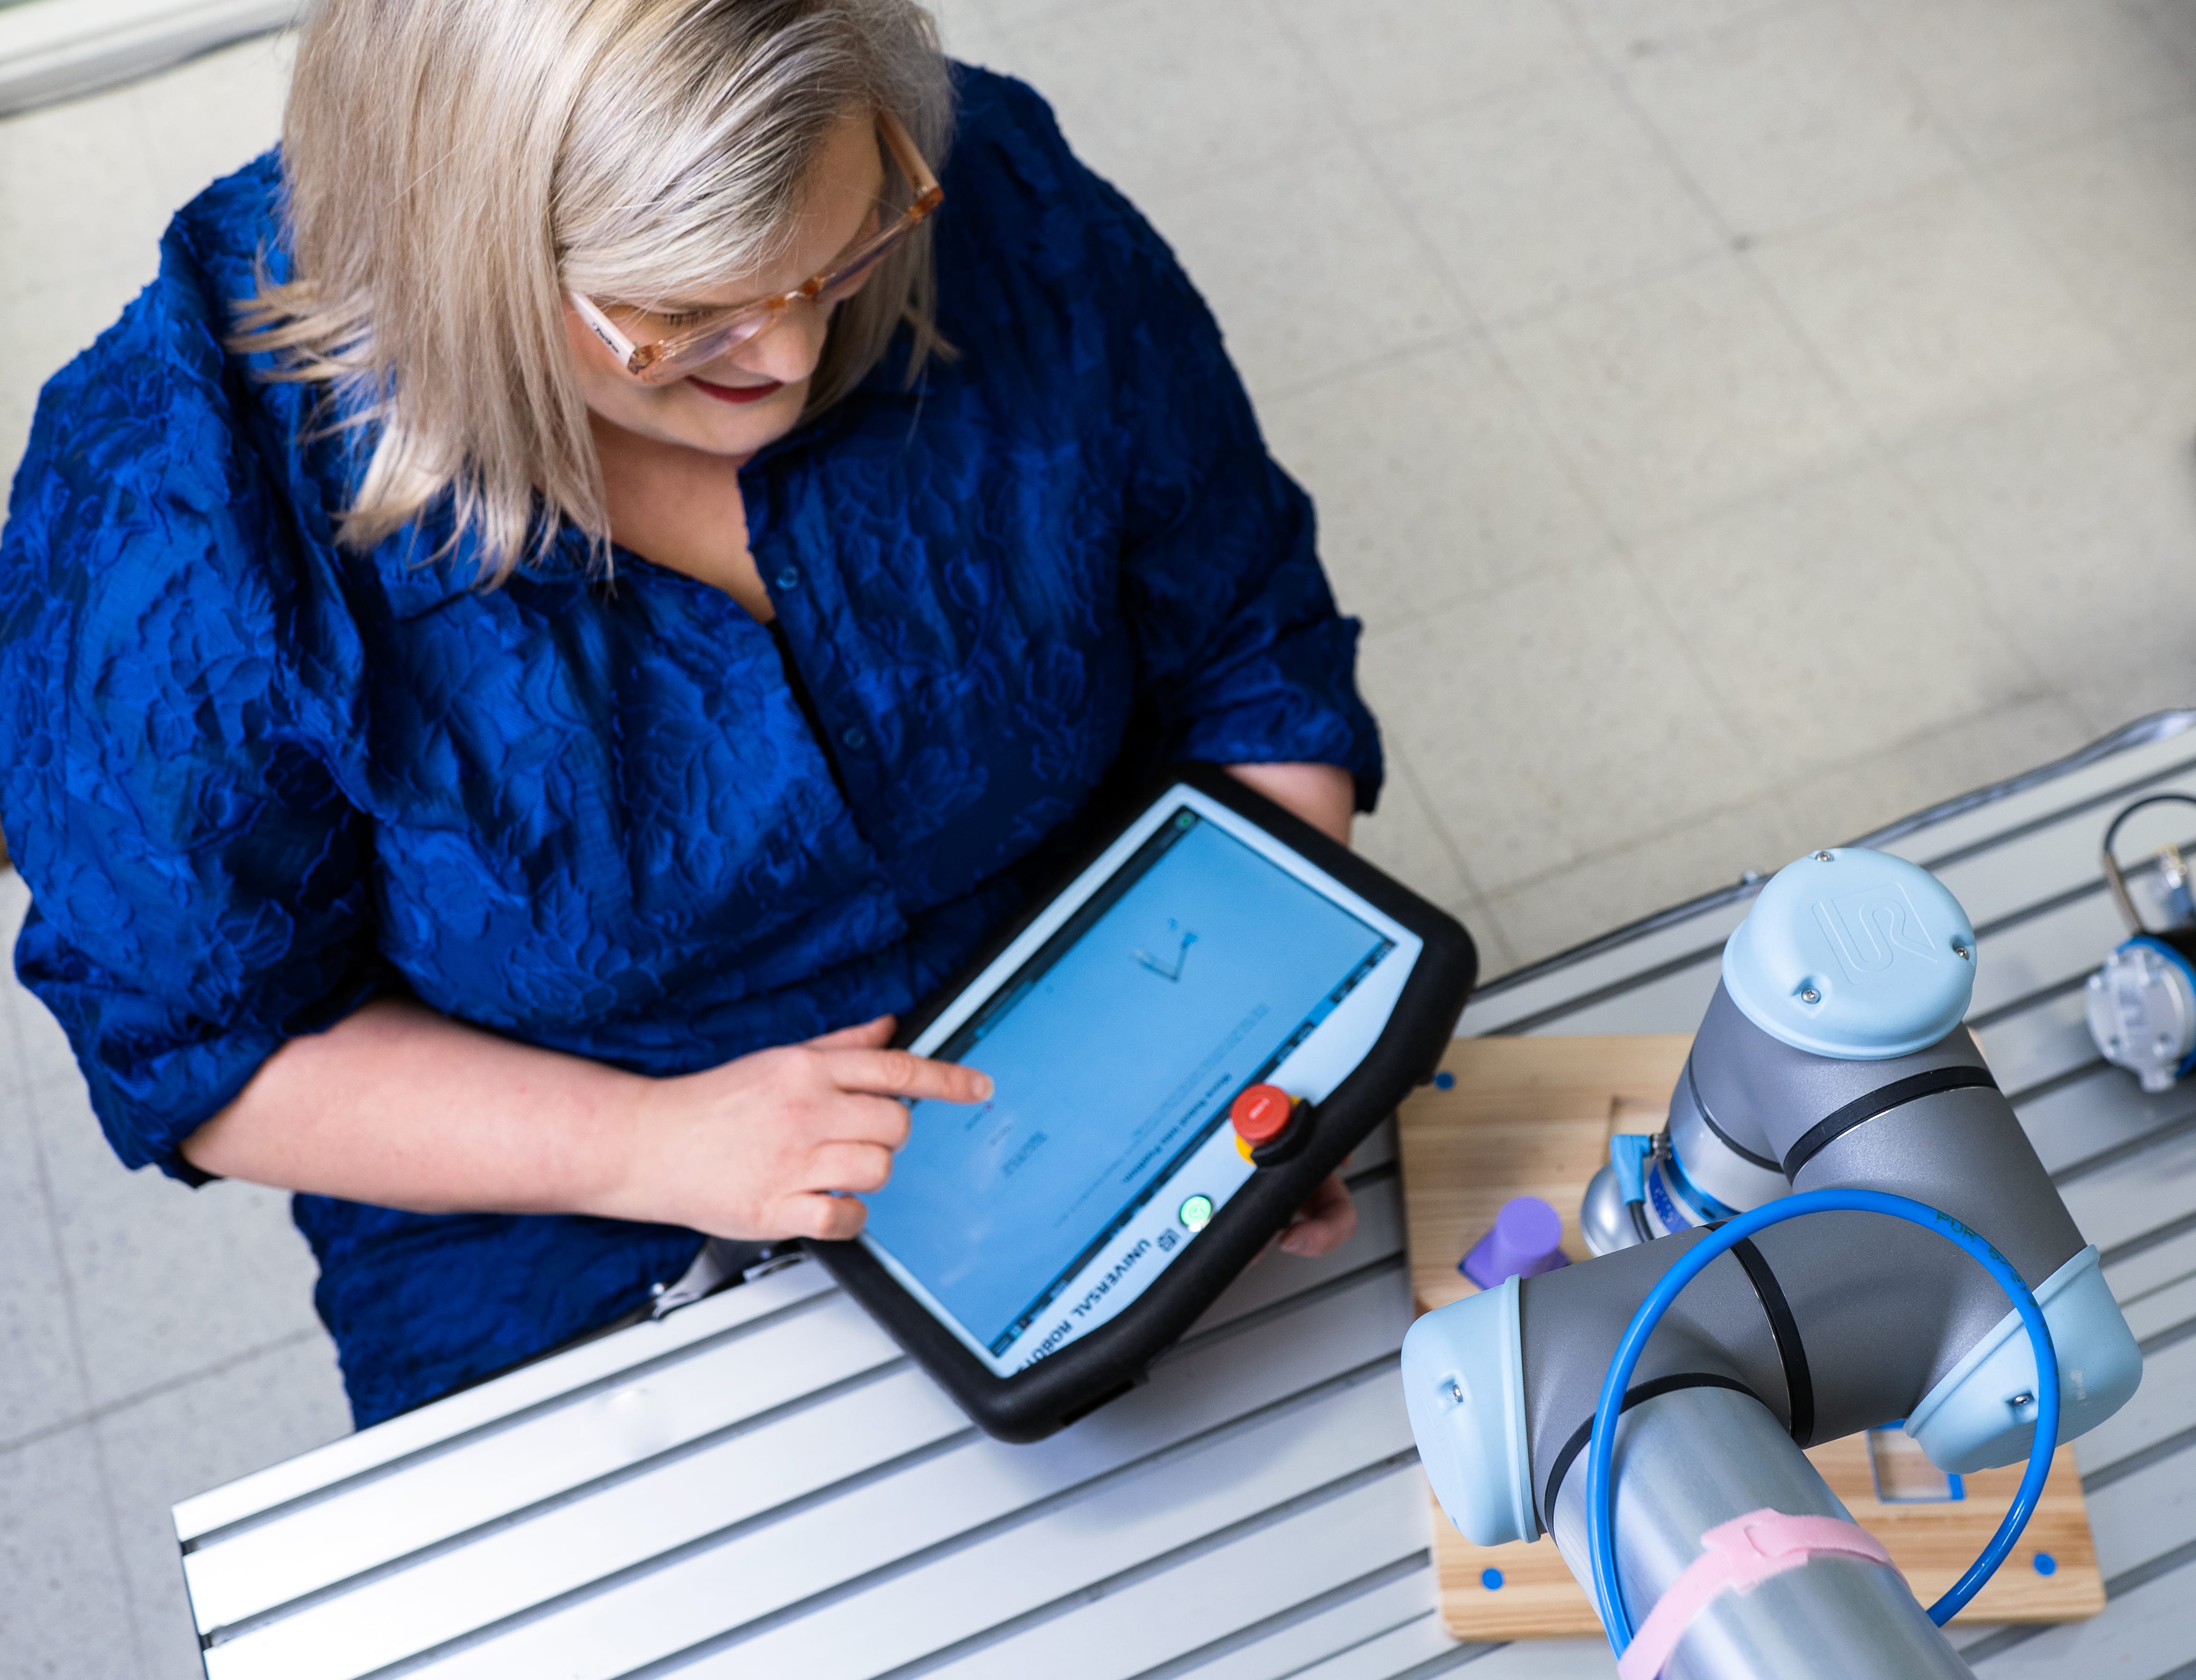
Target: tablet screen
column 1197, row 966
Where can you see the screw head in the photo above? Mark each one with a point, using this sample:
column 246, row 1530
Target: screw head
column 2021, row 1400
column 1809, row 995
column 1962, row 952
column 1824, row 857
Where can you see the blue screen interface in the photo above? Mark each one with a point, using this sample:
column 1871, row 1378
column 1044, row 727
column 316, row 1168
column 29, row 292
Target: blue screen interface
column 1114, row 1051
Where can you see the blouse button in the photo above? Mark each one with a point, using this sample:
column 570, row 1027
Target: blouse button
column 788, row 579
column 855, row 738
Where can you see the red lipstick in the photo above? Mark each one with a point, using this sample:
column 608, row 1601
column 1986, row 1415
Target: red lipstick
column 738, row 393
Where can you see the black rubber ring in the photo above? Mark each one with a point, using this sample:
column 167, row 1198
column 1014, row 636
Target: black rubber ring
column 1784, row 1329
column 1645, row 1391
column 1881, row 1101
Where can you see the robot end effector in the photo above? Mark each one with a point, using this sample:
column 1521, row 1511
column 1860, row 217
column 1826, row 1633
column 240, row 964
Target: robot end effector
column 1831, row 1056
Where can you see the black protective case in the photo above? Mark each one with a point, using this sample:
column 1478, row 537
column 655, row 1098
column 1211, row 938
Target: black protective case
column 1111, row 1359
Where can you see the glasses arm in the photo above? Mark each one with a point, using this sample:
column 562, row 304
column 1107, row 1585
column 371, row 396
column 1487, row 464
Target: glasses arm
column 928, row 192
column 606, row 330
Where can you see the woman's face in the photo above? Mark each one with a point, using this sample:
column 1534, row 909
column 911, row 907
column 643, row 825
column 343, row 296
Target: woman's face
column 754, row 393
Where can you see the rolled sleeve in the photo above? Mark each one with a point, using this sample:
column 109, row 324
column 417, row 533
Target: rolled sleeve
column 196, row 874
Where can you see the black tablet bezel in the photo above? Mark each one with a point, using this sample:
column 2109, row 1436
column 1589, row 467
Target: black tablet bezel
column 1113, row 1359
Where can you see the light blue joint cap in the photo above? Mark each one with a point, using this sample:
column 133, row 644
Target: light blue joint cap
column 1463, row 1386
column 1982, row 1413
column 1852, row 953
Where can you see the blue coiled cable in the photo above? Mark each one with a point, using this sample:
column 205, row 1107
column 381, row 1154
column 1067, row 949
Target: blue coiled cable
column 1600, row 1489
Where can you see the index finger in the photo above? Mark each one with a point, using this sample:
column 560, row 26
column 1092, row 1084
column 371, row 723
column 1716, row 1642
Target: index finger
column 900, row 1073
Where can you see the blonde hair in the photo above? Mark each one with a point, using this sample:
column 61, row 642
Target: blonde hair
column 454, row 167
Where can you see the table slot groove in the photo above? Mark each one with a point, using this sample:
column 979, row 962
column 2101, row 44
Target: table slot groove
column 537, row 1459
column 2143, row 1630
column 1258, row 1318
column 1295, row 1617
column 1447, row 1663
column 1297, row 1505
column 1982, row 1021
column 604, row 1484
column 355, row 1459
column 961, row 1496
column 2119, row 1154
column 2171, row 1336
column 496, row 1630
column 2064, row 1080
column 1527, row 1024
column 2118, row 794
column 2128, row 1248
column 501, row 1424
column 2158, row 1569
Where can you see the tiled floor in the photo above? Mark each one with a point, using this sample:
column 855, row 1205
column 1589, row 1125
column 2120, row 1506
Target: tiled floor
column 1737, row 422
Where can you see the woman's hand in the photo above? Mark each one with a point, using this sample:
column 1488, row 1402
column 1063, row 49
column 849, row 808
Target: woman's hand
column 769, row 1144
column 1324, row 1223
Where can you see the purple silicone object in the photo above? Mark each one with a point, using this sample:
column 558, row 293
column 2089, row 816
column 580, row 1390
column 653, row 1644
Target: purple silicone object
column 1526, row 1241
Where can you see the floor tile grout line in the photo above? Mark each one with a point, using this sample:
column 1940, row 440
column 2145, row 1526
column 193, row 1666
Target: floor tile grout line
column 1635, row 841
column 1627, row 541
column 1412, row 349
column 1408, row 773
column 111, row 1524
column 1286, row 390
column 1477, row 325
column 1616, row 547
column 1985, row 174
column 34, row 1115
column 107, row 1409
column 1979, row 162
column 123, row 1570
column 1697, row 35
column 1950, row 131
column 1873, row 447
column 1980, row 177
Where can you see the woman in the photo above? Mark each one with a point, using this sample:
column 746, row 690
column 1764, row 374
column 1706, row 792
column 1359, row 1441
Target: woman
column 498, row 722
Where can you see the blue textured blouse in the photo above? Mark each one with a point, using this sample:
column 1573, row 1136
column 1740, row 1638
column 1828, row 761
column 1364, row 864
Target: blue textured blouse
column 254, row 779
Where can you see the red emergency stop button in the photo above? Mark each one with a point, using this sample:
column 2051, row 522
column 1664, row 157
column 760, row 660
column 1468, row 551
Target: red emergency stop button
column 1261, row 1113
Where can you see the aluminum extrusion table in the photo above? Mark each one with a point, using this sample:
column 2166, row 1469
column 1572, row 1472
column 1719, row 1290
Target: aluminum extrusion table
column 761, row 1485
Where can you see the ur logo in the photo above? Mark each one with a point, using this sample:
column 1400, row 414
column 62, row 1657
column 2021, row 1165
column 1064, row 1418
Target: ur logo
column 1871, row 928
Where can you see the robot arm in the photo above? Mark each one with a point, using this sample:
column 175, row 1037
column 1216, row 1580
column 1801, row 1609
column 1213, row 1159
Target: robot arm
column 1831, row 1055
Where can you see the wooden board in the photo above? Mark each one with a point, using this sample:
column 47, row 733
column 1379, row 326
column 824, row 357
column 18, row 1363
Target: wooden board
column 1532, row 1116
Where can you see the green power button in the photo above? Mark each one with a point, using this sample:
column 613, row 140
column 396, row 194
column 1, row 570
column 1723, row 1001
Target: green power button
column 1197, row 1212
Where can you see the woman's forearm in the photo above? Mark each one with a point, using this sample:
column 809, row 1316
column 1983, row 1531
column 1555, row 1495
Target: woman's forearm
column 1324, row 795
column 401, row 1107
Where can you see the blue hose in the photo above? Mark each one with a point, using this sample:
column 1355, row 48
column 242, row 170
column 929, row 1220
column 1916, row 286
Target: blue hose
column 1600, row 1489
